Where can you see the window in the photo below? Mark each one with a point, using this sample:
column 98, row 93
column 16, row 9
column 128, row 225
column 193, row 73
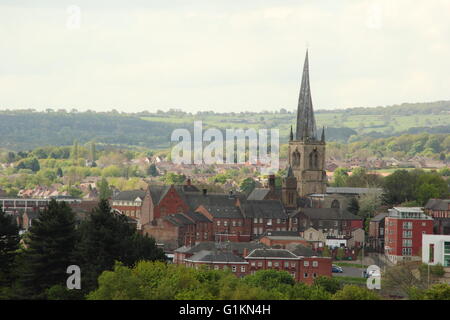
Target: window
column 306, row 263
column 269, row 263
column 255, row 220
column 276, row 264
column 205, row 236
column 225, row 223
column 407, row 225
column 447, row 254
column 242, row 268
column 286, row 264
column 233, row 268
column 424, row 224
column 406, row 251
column 305, row 275
column 293, row 264
column 407, row 234
column 255, row 230
column 218, row 222
column 239, row 223
column 278, row 221
column 407, row 242
column 294, row 220
column 336, row 223
column 314, row 275
column 431, row 253
column 260, row 220
column 234, row 223
column 269, row 222
column 315, row 263
column 253, row 264
column 259, row 264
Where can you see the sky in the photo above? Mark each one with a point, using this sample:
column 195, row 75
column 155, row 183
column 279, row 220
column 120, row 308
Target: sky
column 224, row 56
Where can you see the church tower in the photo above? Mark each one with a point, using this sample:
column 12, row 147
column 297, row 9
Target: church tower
column 306, row 150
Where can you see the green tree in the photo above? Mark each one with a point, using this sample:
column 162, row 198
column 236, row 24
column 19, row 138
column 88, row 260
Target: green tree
column 353, row 206
column 352, row 292
column 59, row 173
column 247, row 185
column 106, row 237
column 340, row 177
column 152, row 170
column 9, row 244
column 330, row 284
column 50, row 246
column 104, row 189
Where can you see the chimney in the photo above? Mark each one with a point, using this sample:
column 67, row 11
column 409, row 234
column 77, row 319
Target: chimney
column 245, row 253
column 272, row 182
column 205, row 191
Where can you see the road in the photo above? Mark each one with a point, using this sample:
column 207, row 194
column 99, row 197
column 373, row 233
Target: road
column 350, row 272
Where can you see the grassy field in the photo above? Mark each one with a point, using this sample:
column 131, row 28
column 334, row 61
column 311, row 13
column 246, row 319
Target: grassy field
column 363, row 124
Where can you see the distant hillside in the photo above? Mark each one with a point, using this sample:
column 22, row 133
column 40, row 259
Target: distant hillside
column 27, row 129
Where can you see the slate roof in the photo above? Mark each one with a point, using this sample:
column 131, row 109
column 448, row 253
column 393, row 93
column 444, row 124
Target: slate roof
column 157, row 191
column 258, row 194
column 130, row 195
column 329, row 214
column 269, row 209
column 178, row 219
column 348, row 190
column 230, row 246
column 303, row 251
column 438, row 204
column 215, row 256
column 272, row 253
column 194, row 200
column 197, row 217
column 379, row 217
column 231, row 212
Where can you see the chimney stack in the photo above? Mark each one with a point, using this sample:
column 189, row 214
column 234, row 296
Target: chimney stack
column 245, row 253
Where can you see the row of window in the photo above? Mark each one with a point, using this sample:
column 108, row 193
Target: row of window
column 268, row 221
column 234, row 223
column 286, row 264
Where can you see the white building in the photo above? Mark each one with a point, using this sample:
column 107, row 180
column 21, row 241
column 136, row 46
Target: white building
column 436, row 249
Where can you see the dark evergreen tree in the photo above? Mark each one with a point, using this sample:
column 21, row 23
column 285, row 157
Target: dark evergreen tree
column 106, row 237
column 152, row 171
column 353, row 206
column 59, row 172
column 104, row 189
column 50, row 246
column 9, row 244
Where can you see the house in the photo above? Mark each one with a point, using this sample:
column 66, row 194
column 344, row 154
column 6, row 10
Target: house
column 436, row 249
column 376, row 232
column 282, row 239
column 358, row 238
column 129, row 203
column 331, row 221
column 303, row 269
column 218, row 260
column 315, row 237
column 265, row 215
column 404, row 227
column 439, row 209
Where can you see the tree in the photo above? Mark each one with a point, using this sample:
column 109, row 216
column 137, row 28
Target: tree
column 352, row 292
column 340, row 177
column 106, row 237
column 104, row 189
column 326, row 252
column 340, row 254
column 9, row 244
column 398, row 187
column 247, row 185
column 75, row 151
column 59, row 173
column 50, row 246
column 152, row 170
column 330, row 284
column 353, row 206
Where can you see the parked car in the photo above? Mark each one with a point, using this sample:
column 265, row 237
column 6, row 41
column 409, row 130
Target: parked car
column 336, row 269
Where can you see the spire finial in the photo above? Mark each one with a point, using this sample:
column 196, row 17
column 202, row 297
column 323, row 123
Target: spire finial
column 323, row 134
column 291, row 135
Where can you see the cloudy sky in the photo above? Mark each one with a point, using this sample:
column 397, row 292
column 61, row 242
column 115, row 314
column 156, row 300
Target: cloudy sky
column 228, row 55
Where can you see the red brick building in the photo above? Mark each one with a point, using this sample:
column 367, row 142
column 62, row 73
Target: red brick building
column 404, row 228
column 439, row 210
